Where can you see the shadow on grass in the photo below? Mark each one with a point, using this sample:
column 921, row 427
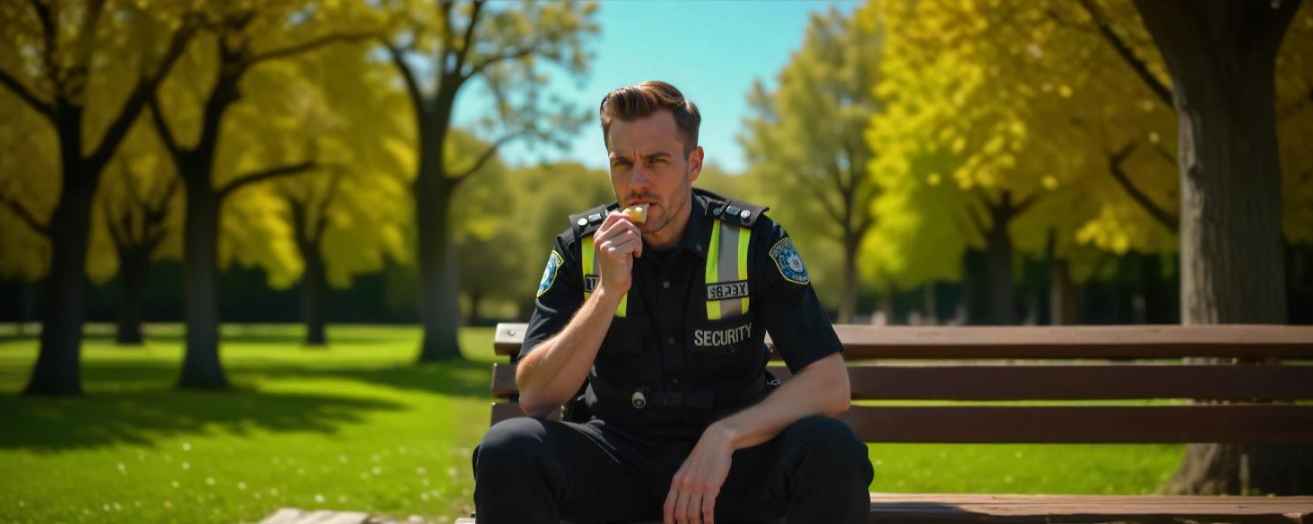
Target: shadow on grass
column 142, row 417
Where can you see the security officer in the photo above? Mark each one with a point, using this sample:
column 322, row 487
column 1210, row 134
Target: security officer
column 662, row 325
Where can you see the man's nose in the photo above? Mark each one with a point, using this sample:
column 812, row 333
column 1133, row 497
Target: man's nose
column 642, row 176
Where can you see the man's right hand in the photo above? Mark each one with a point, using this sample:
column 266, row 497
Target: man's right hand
column 618, row 242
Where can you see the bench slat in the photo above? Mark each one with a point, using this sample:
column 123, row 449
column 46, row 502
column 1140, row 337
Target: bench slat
column 1249, row 423
column 935, row 508
column 1044, row 342
column 1041, row 382
column 1237, row 423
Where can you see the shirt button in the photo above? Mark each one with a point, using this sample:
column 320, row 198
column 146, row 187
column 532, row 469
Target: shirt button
column 665, row 284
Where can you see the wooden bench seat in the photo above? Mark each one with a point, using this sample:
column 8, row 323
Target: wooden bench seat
column 1152, row 384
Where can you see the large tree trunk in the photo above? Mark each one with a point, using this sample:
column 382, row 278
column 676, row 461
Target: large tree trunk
column 1221, row 55
column 313, row 285
column 1064, row 300
column 133, row 263
column 848, row 294
column 439, row 304
column 998, row 256
column 976, row 292
column 57, row 367
column 201, row 367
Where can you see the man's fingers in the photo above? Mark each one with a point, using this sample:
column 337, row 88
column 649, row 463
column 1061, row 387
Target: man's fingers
column 668, row 510
column 682, row 506
column 709, row 508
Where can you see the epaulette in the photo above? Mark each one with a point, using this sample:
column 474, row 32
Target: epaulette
column 737, row 212
column 587, row 222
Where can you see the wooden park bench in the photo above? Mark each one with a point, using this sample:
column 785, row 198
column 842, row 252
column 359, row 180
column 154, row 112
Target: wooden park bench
column 1103, row 363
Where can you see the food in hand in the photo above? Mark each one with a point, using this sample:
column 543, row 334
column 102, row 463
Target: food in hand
column 636, row 214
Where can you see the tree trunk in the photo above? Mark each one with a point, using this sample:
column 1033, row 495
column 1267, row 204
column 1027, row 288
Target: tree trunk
column 998, row 255
column 975, row 286
column 201, row 368
column 931, row 305
column 313, row 284
column 1064, row 302
column 848, row 294
column 57, row 367
column 133, row 263
column 439, row 305
column 1222, row 55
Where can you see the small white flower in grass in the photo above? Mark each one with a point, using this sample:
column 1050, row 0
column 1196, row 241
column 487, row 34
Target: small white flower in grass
column 176, row 484
column 341, row 458
column 21, row 504
column 241, row 486
column 209, row 481
column 424, row 497
column 452, row 472
column 105, row 507
column 186, row 465
column 425, row 481
column 122, row 468
column 421, row 471
column 186, row 446
column 377, row 471
column 118, row 507
column 273, row 492
column 364, row 476
column 319, row 499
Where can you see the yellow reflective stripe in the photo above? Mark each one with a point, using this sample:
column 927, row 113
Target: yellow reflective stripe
column 745, row 235
column 713, row 259
column 589, row 262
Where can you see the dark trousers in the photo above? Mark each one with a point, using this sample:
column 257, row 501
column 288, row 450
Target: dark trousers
column 529, row 470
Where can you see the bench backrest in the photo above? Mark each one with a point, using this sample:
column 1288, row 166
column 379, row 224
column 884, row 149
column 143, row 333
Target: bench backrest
column 1129, row 383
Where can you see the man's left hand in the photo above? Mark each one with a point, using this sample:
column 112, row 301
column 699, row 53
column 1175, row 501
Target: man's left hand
column 693, row 490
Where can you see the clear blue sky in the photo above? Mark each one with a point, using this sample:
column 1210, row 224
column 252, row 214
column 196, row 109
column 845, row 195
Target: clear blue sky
column 710, row 50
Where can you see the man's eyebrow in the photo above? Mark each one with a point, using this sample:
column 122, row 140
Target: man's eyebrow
column 656, row 155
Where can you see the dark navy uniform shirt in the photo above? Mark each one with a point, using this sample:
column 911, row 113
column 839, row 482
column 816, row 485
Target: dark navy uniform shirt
column 667, row 304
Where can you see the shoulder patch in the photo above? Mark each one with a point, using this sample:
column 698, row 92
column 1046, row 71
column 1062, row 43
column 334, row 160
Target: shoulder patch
column 554, row 262
column 789, row 262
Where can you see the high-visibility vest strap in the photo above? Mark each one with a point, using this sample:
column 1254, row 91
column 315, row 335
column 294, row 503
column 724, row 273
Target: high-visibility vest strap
column 727, row 262
column 592, row 277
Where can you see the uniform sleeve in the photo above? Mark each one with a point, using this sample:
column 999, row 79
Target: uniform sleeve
column 560, row 294
column 783, row 296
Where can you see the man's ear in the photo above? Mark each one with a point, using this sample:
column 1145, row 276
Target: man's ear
column 694, row 164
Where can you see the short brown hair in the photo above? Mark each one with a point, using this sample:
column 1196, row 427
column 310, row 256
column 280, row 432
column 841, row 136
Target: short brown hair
column 636, row 101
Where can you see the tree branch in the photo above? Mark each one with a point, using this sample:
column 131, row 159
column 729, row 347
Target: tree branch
column 26, row 96
column 412, row 86
column 467, row 39
column 1025, row 204
column 310, row 45
column 141, row 92
column 1137, row 65
column 1115, row 160
column 27, row 216
column 512, row 55
column 114, row 233
column 487, row 155
column 265, row 174
column 161, row 126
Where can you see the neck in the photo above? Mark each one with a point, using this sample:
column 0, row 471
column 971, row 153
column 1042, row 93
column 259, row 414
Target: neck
column 667, row 236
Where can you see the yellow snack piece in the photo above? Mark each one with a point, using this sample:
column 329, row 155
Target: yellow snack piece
column 636, row 214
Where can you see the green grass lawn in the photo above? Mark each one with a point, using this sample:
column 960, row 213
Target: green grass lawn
column 359, row 426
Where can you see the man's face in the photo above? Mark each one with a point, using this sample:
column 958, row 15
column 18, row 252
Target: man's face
column 648, row 166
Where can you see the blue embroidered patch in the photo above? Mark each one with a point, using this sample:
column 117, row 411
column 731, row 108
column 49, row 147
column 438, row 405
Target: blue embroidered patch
column 549, row 273
column 789, row 262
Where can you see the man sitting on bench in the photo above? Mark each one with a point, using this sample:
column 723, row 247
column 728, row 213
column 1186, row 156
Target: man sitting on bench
column 661, row 312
